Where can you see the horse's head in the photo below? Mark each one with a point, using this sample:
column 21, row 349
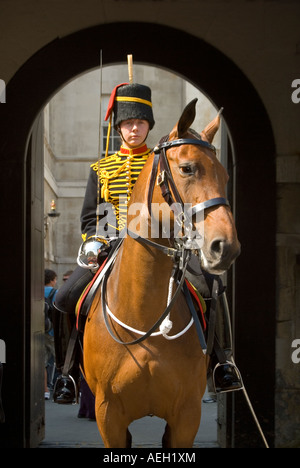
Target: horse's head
column 199, row 177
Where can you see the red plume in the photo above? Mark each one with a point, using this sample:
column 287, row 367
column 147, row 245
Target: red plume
column 112, row 100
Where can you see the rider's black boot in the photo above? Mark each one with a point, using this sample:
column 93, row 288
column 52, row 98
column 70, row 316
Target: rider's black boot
column 226, row 378
column 65, row 390
column 67, row 359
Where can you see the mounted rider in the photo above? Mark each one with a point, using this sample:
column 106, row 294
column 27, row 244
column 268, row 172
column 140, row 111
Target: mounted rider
column 110, row 184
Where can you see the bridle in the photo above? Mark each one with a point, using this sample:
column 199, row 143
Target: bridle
column 182, row 217
column 165, row 181
column 180, row 251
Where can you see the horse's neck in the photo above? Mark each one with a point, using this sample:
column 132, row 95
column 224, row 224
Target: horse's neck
column 139, row 279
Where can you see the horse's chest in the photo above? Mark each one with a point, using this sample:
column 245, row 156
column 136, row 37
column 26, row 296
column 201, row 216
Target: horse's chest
column 143, row 370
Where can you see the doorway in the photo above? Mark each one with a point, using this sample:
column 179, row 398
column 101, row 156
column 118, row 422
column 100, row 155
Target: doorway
column 71, row 137
column 253, row 143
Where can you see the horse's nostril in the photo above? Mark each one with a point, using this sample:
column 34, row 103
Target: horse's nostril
column 217, row 246
column 220, row 248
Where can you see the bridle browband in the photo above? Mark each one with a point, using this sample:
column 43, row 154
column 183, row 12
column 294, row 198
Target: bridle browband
column 183, row 141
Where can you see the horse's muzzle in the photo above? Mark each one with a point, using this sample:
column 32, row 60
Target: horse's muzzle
column 219, row 255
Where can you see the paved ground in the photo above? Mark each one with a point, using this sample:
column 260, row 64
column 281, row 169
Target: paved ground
column 65, row 430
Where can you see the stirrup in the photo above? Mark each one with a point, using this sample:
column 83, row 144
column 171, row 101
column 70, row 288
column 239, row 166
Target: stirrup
column 70, row 379
column 237, row 372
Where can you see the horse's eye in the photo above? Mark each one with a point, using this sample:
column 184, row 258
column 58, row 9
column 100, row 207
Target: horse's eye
column 186, row 170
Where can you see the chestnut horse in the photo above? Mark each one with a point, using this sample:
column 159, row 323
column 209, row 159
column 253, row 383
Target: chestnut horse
column 132, row 378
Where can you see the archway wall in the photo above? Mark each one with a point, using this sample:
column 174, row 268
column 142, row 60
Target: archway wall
column 260, row 37
column 232, row 52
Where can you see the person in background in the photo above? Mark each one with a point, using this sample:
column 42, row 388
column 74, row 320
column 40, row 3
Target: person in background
column 50, row 292
column 67, row 275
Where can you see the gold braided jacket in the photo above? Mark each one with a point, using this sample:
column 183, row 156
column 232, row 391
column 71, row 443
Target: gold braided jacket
column 117, row 175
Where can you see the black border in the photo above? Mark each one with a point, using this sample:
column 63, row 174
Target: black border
column 27, row 93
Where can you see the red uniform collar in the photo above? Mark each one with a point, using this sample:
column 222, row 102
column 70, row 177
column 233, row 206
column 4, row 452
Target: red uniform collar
column 135, row 151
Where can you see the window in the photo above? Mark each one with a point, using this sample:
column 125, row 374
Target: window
column 114, row 140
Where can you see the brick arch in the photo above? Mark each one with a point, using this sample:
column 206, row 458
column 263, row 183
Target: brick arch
column 250, row 129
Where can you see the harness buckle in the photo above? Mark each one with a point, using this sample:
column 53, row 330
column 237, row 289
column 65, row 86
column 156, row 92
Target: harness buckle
column 161, row 178
column 171, row 252
column 180, row 219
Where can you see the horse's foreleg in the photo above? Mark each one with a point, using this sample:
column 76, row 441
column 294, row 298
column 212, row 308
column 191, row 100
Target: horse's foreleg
column 181, row 431
column 112, row 427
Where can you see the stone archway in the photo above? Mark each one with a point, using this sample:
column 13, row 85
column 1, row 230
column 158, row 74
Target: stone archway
column 251, row 133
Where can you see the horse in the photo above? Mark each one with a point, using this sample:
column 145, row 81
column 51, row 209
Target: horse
column 150, row 375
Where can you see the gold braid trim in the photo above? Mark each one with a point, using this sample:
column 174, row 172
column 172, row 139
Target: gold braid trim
column 105, row 177
column 118, row 176
column 133, row 99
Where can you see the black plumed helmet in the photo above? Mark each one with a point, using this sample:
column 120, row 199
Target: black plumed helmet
column 133, row 101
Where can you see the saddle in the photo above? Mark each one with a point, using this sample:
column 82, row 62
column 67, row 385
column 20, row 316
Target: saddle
column 199, row 303
column 84, row 302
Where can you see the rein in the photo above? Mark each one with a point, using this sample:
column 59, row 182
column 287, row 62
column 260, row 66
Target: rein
column 180, row 252
column 157, row 323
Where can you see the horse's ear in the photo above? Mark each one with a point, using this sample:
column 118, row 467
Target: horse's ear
column 211, row 129
column 187, row 118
